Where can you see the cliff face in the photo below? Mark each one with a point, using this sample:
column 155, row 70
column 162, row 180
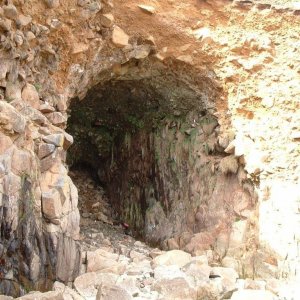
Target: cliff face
column 187, row 111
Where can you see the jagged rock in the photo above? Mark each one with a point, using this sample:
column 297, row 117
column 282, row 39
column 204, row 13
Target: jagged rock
column 55, row 139
column 34, row 115
column 51, row 204
column 45, row 150
column 68, row 141
column 21, row 162
column 10, row 119
column 119, row 37
column 31, row 96
column 46, row 108
column 107, row 20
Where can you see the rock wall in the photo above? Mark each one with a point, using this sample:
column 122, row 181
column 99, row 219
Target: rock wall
column 52, row 51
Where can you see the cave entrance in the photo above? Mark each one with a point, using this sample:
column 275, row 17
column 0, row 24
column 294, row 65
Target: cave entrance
column 148, row 140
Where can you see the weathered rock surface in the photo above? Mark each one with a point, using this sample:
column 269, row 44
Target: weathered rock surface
column 219, row 82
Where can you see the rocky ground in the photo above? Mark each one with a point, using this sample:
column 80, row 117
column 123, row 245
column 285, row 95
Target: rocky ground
column 116, row 266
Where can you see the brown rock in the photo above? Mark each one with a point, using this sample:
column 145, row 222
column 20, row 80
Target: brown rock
column 11, row 119
column 229, row 165
column 119, row 37
column 21, row 162
column 100, row 260
column 68, row 141
column 52, row 3
column 79, row 48
column 107, row 20
column 45, row 150
column 10, row 11
column 172, row 244
column 56, row 139
column 31, row 96
column 51, row 204
column 24, row 20
column 112, row 293
column 46, row 108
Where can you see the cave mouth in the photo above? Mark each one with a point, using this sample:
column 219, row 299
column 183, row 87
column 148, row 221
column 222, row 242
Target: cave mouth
column 149, row 140
column 118, row 129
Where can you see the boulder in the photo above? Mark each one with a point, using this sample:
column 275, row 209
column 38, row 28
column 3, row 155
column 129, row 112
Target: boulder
column 112, row 292
column 87, row 284
column 52, row 3
column 68, row 293
column 173, row 257
column 175, row 289
column 5, row 143
column 100, row 260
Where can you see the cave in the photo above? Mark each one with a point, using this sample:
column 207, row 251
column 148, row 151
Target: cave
column 149, row 137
